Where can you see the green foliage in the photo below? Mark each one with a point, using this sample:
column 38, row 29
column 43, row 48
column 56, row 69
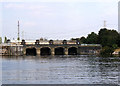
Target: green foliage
column 118, row 41
column 110, row 40
column 18, row 38
column 0, row 40
column 107, row 51
column 5, row 39
column 114, row 46
column 73, row 39
column 83, row 40
column 108, row 37
column 92, row 38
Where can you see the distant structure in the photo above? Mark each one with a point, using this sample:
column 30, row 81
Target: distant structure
column 104, row 24
column 18, row 32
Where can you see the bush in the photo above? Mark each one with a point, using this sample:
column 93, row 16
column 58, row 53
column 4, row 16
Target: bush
column 107, row 51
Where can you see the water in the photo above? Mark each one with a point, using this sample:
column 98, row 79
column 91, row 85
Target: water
column 60, row 70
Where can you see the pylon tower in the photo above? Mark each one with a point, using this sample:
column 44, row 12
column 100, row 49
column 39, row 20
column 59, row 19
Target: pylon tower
column 18, row 32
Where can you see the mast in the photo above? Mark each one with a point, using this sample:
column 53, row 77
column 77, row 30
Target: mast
column 18, row 32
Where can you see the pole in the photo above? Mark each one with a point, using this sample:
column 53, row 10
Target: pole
column 18, row 32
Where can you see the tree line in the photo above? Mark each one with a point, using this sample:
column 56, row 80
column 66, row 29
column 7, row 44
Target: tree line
column 5, row 40
column 109, row 39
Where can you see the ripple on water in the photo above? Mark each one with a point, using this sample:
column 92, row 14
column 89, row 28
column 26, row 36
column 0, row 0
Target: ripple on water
column 60, row 70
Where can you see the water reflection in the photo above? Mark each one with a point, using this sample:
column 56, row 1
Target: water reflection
column 79, row 69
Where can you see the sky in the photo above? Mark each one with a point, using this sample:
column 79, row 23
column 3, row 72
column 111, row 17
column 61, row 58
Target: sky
column 56, row 19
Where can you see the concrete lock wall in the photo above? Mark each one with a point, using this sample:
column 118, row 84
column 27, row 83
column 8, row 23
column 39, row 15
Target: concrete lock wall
column 15, row 50
column 12, row 50
column 63, row 47
column 79, row 50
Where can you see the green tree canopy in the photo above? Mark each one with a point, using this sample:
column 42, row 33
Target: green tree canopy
column 107, row 51
column 92, row 38
column 83, row 39
column 5, row 39
column 108, row 37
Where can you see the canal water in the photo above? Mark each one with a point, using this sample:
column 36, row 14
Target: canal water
column 80, row 69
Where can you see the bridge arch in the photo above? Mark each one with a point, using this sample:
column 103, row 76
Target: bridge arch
column 72, row 51
column 59, row 51
column 31, row 51
column 45, row 51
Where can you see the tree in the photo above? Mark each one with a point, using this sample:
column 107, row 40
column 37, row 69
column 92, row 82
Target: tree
column 107, row 51
column 92, row 38
column 114, row 46
column 83, row 39
column 5, row 39
column 0, row 40
column 108, row 37
column 18, row 38
column 75, row 39
column 118, row 41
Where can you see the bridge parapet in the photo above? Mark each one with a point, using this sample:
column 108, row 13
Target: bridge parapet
column 50, row 42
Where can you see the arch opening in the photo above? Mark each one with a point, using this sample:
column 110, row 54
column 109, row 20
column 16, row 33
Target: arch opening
column 31, row 51
column 72, row 51
column 59, row 51
column 45, row 51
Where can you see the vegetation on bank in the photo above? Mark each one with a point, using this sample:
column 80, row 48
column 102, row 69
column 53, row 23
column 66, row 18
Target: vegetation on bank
column 5, row 40
column 109, row 39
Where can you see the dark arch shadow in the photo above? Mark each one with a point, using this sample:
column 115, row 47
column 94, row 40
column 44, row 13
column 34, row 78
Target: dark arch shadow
column 72, row 51
column 31, row 51
column 59, row 51
column 45, row 51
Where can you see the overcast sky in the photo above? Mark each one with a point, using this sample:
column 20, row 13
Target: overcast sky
column 57, row 19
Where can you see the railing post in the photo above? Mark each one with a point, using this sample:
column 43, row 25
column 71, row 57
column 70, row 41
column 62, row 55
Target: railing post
column 23, row 42
column 8, row 41
column 64, row 41
column 37, row 42
column 51, row 42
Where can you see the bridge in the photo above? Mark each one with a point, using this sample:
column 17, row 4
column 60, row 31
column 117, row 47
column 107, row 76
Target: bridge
column 59, row 47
